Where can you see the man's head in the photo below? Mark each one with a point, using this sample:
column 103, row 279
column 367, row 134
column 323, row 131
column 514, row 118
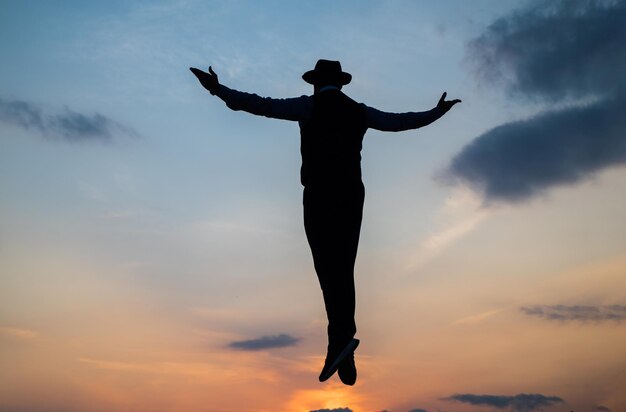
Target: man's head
column 327, row 73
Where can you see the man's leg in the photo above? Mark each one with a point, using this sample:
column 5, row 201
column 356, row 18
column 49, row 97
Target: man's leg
column 332, row 220
column 352, row 219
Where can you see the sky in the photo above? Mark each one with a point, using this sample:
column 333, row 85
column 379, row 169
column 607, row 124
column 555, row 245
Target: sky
column 152, row 250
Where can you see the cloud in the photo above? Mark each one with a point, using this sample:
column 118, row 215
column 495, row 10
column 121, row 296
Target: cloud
column 333, row 410
column 518, row 160
column 556, row 49
column 522, row 402
column 579, row 66
column 17, row 333
column 577, row 312
column 418, row 410
column 461, row 214
column 601, row 408
column 478, row 318
column 434, row 244
column 265, row 342
column 218, row 370
column 69, row 125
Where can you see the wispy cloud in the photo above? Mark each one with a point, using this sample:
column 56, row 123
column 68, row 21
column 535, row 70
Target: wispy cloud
column 216, row 371
column 438, row 241
column 522, row 402
column 265, row 342
column 583, row 60
column 69, row 125
column 580, row 313
column 18, row 333
column 118, row 366
column 461, row 214
column 478, row 318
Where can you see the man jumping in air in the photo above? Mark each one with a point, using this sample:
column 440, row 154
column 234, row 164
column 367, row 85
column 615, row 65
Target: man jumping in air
column 332, row 127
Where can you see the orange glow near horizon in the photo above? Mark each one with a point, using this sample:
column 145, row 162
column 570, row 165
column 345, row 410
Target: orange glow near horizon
column 145, row 361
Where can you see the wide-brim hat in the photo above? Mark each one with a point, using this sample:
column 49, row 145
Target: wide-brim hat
column 327, row 72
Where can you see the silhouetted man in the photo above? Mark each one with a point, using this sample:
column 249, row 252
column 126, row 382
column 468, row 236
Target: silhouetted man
column 332, row 127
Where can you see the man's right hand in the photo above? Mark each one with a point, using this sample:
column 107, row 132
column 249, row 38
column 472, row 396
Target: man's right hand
column 208, row 80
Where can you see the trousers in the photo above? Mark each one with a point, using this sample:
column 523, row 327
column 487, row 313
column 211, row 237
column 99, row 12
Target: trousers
column 332, row 222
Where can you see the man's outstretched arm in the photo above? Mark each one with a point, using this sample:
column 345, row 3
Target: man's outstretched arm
column 287, row 109
column 396, row 122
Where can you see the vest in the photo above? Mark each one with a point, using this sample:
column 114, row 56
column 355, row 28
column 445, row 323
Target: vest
column 331, row 141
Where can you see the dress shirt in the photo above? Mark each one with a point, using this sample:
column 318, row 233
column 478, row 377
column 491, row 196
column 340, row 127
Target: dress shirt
column 299, row 109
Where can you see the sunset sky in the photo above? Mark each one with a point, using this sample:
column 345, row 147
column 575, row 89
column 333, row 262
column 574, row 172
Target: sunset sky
column 152, row 250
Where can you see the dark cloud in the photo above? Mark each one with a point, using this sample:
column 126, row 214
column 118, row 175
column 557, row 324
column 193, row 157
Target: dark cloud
column 77, row 126
column 418, row 410
column 577, row 312
column 21, row 114
column 333, row 410
column 556, row 49
column 265, row 342
column 522, row 402
column 518, row 160
column 560, row 51
column 601, row 408
column 69, row 125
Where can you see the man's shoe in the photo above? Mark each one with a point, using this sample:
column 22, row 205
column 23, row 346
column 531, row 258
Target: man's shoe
column 334, row 359
column 347, row 370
